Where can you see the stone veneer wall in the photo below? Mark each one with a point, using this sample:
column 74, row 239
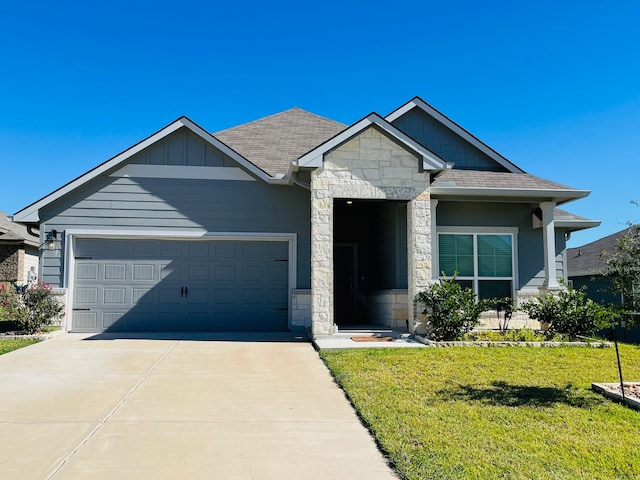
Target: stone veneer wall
column 371, row 165
column 301, row 309
column 61, row 296
column 388, row 308
column 11, row 263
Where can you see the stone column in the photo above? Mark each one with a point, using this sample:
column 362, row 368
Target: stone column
column 321, row 257
column 419, row 254
column 549, row 242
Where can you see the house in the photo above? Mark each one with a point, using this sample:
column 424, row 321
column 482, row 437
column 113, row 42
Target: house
column 586, row 265
column 19, row 247
column 295, row 222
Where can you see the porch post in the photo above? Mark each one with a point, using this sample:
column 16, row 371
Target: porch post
column 419, row 254
column 435, row 274
column 549, row 242
column 321, row 257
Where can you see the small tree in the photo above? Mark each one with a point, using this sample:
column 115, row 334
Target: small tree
column 569, row 312
column 451, row 310
column 504, row 310
column 623, row 270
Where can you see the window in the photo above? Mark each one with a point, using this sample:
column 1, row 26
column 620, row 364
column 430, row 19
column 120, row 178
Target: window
column 482, row 262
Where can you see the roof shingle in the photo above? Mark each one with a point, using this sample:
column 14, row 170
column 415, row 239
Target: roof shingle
column 497, row 180
column 15, row 232
column 273, row 142
column 589, row 257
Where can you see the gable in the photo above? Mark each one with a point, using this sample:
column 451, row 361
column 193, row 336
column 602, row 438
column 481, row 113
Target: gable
column 428, row 160
column 183, row 147
column 182, row 155
column 442, row 141
column 174, row 151
column 374, row 157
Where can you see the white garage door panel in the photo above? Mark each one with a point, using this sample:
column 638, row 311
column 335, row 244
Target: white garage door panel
column 164, row 285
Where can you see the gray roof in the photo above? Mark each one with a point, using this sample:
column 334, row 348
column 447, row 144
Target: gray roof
column 564, row 215
column 15, row 232
column 497, row 180
column 589, row 258
column 273, row 142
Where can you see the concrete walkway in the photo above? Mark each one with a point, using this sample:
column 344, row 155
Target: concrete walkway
column 376, row 338
column 173, row 407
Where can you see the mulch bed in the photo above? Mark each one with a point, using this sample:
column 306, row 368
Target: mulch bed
column 630, row 389
column 613, row 392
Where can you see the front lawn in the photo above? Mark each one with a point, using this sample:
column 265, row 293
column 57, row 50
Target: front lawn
column 494, row 412
column 8, row 344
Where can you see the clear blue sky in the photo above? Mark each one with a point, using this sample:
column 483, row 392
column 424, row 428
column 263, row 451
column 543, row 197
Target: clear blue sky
column 553, row 86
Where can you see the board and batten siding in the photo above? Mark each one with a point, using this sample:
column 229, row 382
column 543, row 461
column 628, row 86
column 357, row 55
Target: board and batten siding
column 183, row 204
column 443, row 142
column 530, row 248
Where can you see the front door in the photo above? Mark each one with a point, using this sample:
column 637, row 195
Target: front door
column 345, row 284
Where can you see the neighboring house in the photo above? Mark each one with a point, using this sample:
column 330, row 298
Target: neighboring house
column 296, row 222
column 586, row 266
column 19, row 247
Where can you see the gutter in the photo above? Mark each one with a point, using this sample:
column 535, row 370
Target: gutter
column 558, row 196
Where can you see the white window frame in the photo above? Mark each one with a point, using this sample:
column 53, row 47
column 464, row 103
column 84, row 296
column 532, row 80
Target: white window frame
column 475, row 231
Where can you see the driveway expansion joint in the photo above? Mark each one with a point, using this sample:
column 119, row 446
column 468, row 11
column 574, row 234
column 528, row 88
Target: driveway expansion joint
column 111, row 413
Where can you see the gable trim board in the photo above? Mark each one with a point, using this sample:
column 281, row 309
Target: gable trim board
column 72, row 235
column 417, row 102
column 430, row 161
column 393, row 181
column 29, row 214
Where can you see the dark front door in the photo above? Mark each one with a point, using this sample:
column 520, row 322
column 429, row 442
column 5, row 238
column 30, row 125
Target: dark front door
column 345, row 285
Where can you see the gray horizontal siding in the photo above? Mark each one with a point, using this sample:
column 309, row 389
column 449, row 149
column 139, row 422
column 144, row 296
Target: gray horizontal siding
column 169, row 204
column 530, row 245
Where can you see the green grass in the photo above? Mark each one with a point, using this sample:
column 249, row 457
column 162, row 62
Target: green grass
column 517, row 413
column 8, row 345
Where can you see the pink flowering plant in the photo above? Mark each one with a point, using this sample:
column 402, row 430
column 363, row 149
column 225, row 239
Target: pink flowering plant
column 10, row 307
column 31, row 307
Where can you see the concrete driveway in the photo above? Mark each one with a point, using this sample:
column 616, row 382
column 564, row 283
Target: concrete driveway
column 178, row 407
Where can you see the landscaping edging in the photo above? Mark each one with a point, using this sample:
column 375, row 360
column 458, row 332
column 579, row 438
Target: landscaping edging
column 607, row 389
column 433, row 343
column 35, row 336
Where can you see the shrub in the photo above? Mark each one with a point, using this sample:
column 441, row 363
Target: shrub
column 30, row 307
column 569, row 312
column 10, row 305
column 513, row 335
column 451, row 310
column 41, row 305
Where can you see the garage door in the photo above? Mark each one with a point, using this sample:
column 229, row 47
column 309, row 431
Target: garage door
column 166, row 285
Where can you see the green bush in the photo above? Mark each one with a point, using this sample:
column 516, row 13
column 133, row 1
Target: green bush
column 513, row 335
column 569, row 312
column 451, row 310
column 31, row 307
column 11, row 308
